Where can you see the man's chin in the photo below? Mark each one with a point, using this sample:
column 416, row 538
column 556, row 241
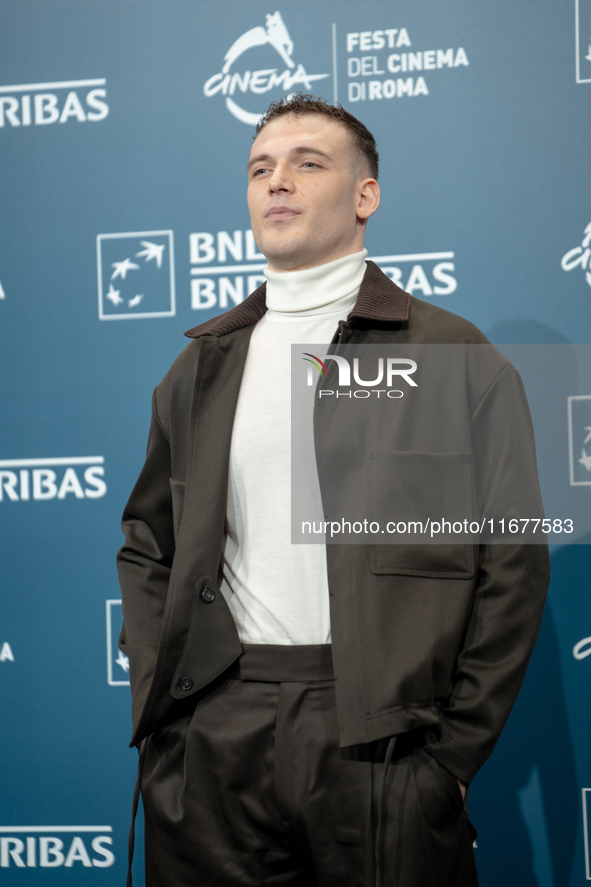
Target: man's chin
column 285, row 256
column 290, row 251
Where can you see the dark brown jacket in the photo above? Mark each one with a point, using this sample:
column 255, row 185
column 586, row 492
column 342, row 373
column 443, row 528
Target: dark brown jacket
column 415, row 644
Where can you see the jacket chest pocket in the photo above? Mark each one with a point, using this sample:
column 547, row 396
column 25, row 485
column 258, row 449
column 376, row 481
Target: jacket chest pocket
column 430, row 561
column 418, row 498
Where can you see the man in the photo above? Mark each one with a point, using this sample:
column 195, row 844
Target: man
column 310, row 714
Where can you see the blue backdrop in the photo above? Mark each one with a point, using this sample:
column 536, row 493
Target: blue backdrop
column 124, row 131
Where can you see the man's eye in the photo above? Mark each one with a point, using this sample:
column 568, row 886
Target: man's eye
column 258, row 172
column 310, row 163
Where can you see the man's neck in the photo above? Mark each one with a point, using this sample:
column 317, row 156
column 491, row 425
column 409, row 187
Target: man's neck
column 321, row 289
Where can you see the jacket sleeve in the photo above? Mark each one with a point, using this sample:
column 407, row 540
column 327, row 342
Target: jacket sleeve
column 512, row 585
column 144, row 562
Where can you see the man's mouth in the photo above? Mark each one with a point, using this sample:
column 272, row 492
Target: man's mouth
column 278, row 213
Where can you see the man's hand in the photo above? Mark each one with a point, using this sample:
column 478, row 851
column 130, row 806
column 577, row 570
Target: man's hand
column 462, row 789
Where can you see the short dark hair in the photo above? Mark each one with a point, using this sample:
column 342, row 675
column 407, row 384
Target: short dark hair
column 301, row 103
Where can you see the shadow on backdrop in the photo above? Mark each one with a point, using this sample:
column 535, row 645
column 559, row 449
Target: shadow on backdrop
column 525, row 801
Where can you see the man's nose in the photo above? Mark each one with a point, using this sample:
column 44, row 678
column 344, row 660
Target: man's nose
column 280, row 180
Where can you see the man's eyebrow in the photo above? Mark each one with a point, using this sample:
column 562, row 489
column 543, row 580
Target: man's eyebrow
column 258, row 159
column 306, row 150
column 303, row 149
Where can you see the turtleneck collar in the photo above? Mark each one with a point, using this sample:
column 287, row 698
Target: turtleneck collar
column 326, row 289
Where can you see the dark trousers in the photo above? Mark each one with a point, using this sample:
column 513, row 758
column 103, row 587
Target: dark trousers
column 248, row 787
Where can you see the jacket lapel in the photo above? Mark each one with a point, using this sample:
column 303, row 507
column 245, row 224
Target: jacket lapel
column 216, row 393
column 201, row 533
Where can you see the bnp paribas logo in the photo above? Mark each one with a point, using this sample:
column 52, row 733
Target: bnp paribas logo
column 258, row 62
column 135, row 274
column 117, row 661
column 583, row 40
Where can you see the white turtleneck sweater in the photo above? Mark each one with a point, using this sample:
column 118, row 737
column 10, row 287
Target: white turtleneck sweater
column 278, row 592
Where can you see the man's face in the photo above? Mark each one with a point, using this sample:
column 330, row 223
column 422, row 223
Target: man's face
column 306, row 188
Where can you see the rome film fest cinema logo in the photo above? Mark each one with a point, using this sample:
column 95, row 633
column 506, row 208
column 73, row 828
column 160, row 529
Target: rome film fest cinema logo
column 250, row 70
column 583, row 40
column 64, row 101
column 580, row 256
column 374, row 56
column 135, row 274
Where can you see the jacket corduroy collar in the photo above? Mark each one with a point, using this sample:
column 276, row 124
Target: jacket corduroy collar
column 379, row 299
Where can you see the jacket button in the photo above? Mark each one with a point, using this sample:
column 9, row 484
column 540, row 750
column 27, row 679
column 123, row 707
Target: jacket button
column 186, row 683
column 208, row 594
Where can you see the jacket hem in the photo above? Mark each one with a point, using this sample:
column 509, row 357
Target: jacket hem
column 391, row 723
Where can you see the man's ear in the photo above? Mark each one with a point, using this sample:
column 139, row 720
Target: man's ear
column 368, row 198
